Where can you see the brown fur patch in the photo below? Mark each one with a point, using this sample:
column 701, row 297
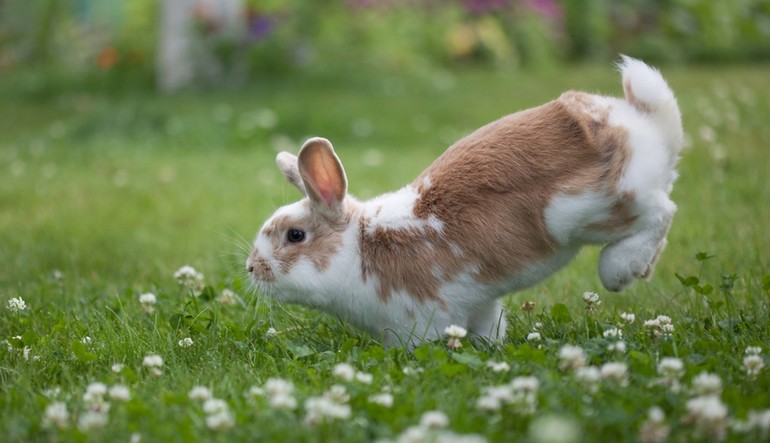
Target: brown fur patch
column 491, row 188
column 402, row 260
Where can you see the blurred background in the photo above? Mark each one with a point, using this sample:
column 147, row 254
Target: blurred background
column 171, row 44
column 137, row 136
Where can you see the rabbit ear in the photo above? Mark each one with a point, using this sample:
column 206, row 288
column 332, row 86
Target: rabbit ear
column 287, row 163
column 324, row 176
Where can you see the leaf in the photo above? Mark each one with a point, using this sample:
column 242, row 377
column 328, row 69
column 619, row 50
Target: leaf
column 703, row 256
column 30, row 337
column 560, row 313
column 687, row 282
column 450, row 369
column 703, row 290
column 299, row 350
column 728, row 282
column 81, row 352
column 470, row 360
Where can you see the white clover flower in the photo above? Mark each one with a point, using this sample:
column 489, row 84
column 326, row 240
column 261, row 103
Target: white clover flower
column 755, row 350
column 616, row 372
column 628, row 317
column 709, row 416
column 278, row 386
column 271, row 332
column 413, row 434
column 613, row 333
column 185, row 342
column 537, row 326
column 118, row 367
column 364, row 378
column 135, row 438
column 589, row 377
column 654, row 429
column 344, row 372
column 95, row 393
column 503, row 393
column 760, row 421
column 92, row 420
column 592, row 301
column 707, row 384
column 434, row 420
column 120, row 393
column 753, row 364
column 572, row 357
column 56, row 415
column 591, row 297
column 659, row 327
column 618, row 347
column 220, row 421
column 384, row 399
column 671, row 368
column 153, row 361
column 52, row 393
column 214, row 406
column 525, row 384
column 489, row 403
column 322, row 409
column 16, row 304
column 283, row 401
column 554, row 429
column 148, row 301
column 534, row 336
column 454, row 333
column 227, row 297
column 408, row 370
column 338, row 394
column 201, row 393
column 191, row 279
column 498, row 366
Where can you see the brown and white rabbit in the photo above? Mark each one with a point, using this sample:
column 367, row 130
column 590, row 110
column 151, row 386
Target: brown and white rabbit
column 500, row 210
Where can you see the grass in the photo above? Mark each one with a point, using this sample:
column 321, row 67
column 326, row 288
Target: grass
column 104, row 195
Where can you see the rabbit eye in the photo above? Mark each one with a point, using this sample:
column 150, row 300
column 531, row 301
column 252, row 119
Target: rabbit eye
column 295, row 235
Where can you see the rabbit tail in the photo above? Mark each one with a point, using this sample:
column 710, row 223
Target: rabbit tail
column 647, row 91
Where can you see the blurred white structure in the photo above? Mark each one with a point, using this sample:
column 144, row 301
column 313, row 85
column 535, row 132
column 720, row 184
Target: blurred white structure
column 176, row 64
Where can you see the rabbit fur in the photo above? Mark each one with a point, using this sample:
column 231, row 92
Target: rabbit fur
column 502, row 209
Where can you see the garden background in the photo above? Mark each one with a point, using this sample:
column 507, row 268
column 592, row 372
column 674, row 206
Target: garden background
column 124, row 160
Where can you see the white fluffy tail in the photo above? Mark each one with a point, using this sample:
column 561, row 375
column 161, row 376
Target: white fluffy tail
column 647, row 91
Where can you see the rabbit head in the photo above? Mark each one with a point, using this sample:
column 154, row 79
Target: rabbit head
column 298, row 247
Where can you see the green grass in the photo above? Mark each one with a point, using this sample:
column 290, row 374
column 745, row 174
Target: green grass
column 104, row 196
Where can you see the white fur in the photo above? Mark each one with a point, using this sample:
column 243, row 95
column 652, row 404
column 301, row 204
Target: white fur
column 394, row 210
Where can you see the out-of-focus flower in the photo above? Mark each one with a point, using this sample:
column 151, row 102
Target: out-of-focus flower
column 454, row 333
column 654, row 429
column 148, row 301
column 616, row 372
column 56, row 415
column 16, row 304
column 572, row 357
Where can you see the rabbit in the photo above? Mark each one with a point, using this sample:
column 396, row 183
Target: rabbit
column 499, row 211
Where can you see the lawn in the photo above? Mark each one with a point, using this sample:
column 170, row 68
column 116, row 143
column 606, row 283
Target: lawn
column 104, row 196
